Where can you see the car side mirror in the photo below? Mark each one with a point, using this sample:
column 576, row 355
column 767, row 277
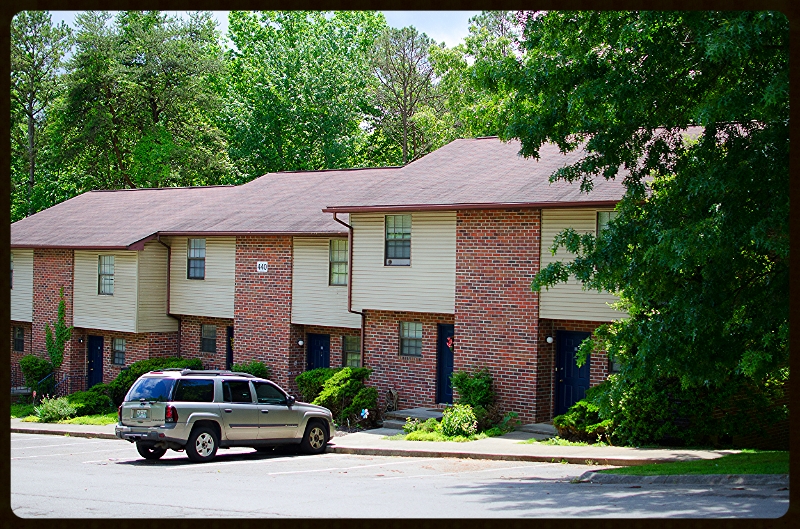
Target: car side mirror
column 290, row 400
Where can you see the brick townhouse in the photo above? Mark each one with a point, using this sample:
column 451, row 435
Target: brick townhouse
column 412, row 271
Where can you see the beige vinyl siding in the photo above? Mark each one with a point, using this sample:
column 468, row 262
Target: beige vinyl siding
column 22, row 291
column 314, row 301
column 568, row 301
column 116, row 312
column 427, row 285
column 152, row 309
column 212, row 296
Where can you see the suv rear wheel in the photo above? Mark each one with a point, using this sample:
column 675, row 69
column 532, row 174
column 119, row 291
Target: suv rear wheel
column 315, row 439
column 202, row 444
column 150, row 451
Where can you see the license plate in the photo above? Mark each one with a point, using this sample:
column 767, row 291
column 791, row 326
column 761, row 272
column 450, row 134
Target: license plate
column 140, row 414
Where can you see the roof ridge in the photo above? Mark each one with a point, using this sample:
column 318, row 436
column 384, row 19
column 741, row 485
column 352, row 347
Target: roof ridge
column 156, row 188
column 329, row 170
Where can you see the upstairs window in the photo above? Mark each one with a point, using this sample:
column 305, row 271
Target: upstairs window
column 338, row 262
column 208, row 338
column 105, row 275
column 19, row 339
column 603, row 218
column 410, row 338
column 351, row 346
column 398, row 240
column 118, row 350
column 196, row 265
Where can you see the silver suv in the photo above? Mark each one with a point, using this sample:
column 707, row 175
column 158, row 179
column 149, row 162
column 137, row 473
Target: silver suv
column 200, row 411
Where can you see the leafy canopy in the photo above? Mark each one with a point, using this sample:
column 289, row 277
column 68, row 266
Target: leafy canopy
column 699, row 253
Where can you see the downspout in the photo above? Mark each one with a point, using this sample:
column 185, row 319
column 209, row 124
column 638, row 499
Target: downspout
column 350, row 281
column 169, row 274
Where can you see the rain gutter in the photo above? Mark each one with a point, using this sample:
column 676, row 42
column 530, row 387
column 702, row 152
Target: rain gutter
column 454, row 207
column 169, row 274
column 350, row 281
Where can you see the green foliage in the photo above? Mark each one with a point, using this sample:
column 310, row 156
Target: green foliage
column 459, row 420
column 53, row 410
column 20, row 410
column 97, row 419
column 582, row 423
column 746, row 462
column 309, row 383
column 474, row 389
column 255, row 368
column 488, row 416
column 57, row 337
column 35, row 369
column 699, row 251
column 414, row 425
column 345, row 394
column 90, row 403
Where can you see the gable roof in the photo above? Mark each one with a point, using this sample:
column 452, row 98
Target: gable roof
column 481, row 173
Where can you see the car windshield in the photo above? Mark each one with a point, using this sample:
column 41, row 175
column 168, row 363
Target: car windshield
column 151, row 389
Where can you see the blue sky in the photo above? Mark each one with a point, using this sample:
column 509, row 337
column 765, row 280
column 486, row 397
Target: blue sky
column 449, row 27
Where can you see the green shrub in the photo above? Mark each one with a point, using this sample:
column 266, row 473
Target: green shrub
column 582, row 422
column 487, row 416
column 35, row 369
column 474, row 389
column 345, row 395
column 309, row 383
column 459, row 420
column 90, row 403
column 414, row 425
column 255, row 368
column 52, row 410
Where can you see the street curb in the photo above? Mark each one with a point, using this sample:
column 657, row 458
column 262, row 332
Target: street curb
column 777, row 480
column 89, row 435
column 617, row 462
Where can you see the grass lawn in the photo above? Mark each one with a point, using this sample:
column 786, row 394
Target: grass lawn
column 26, row 414
column 557, row 441
column 420, row 435
column 18, row 411
column 746, row 462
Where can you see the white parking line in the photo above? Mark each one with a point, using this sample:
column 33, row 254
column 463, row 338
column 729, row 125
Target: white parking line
column 207, row 465
column 70, row 453
column 51, row 446
column 449, row 473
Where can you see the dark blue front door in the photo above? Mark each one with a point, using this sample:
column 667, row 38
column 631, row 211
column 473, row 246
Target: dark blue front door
column 444, row 365
column 571, row 381
column 228, row 347
column 94, row 366
column 319, row 350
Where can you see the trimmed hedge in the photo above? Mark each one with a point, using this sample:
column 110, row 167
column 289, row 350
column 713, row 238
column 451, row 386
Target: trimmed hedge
column 255, row 368
column 342, row 391
column 117, row 388
column 35, row 369
column 310, row 383
column 90, row 403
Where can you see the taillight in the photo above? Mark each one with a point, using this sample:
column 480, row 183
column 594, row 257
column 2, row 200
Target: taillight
column 170, row 414
column 119, row 413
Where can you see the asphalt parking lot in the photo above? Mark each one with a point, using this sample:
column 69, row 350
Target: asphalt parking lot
column 66, row 477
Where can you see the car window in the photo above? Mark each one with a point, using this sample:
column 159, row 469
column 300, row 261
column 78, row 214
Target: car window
column 269, row 394
column 151, row 389
column 194, row 391
column 235, row 391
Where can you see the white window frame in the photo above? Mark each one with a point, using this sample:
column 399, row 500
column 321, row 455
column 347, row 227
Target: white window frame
column 337, row 277
column 394, row 233
column 410, row 338
column 205, row 337
column 105, row 275
column 118, row 347
column 351, row 357
column 603, row 218
column 196, row 252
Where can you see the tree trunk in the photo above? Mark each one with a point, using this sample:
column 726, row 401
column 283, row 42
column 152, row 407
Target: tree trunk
column 31, row 163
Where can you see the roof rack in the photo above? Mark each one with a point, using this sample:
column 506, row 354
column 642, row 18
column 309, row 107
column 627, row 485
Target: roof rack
column 216, row 373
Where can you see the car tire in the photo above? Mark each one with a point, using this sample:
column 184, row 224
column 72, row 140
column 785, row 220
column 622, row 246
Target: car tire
column 202, row 444
column 315, row 439
column 150, row 451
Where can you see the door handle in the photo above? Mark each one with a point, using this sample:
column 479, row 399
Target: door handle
column 227, row 410
column 264, row 411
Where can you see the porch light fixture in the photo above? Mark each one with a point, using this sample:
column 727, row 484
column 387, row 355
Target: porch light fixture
column 549, row 339
column 300, row 343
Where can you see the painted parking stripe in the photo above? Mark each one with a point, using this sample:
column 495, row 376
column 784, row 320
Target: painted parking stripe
column 69, row 453
column 51, row 446
column 230, row 463
column 436, row 475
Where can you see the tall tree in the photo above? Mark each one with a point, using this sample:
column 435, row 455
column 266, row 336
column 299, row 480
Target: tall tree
column 37, row 49
column 699, row 253
column 406, row 98
column 143, row 102
column 298, row 88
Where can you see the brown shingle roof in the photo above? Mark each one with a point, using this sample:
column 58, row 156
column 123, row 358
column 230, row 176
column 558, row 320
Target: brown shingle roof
column 469, row 173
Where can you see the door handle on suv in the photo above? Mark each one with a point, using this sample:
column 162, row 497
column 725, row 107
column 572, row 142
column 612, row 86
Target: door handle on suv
column 264, row 411
column 227, row 410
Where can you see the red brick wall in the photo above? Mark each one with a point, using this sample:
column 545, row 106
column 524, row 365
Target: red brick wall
column 16, row 355
column 598, row 361
column 53, row 269
column 496, row 313
column 138, row 346
column 190, row 340
column 414, row 378
column 262, row 307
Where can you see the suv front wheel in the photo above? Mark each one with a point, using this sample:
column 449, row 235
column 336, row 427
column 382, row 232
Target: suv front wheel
column 315, row 439
column 202, row 444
